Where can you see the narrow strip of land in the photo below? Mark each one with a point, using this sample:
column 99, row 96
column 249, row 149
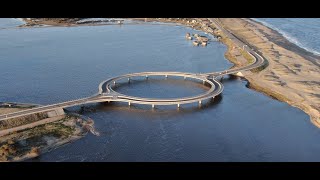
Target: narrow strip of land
column 292, row 75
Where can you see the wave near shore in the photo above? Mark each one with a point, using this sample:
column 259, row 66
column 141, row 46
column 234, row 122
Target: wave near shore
column 288, row 36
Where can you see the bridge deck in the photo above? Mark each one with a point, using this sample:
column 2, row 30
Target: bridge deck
column 106, row 93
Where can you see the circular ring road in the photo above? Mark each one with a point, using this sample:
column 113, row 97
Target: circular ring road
column 106, row 89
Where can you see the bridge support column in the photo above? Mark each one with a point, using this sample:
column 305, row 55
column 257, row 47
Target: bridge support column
column 128, row 79
column 203, row 82
column 147, row 77
column 184, row 78
column 114, row 82
column 166, row 76
column 152, row 106
column 178, row 105
column 199, row 102
column 129, row 103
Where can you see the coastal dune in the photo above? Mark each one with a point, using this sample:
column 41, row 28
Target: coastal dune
column 293, row 74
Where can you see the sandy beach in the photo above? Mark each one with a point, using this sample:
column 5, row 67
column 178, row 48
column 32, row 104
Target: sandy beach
column 293, row 74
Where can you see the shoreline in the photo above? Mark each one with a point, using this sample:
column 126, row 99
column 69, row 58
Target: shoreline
column 286, row 95
column 292, row 46
column 286, row 36
column 67, row 22
column 291, row 76
column 312, row 57
column 42, row 136
column 291, row 70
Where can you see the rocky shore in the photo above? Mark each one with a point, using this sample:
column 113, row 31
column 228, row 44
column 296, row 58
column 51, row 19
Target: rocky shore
column 43, row 136
column 33, row 22
column 50, row 21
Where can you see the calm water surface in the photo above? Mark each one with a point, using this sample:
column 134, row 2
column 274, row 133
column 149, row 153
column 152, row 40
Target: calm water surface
column 50, row 65
column 10, row 22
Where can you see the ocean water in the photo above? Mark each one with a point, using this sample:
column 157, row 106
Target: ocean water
column 53, row 64
column 304, row 32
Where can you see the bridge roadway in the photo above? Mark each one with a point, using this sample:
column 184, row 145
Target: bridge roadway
column 259, row 60
column 107, row 93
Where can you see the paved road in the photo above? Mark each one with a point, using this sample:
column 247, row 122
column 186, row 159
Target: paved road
column 49, row 107
column 106, row 92
column 106, row 88
column 259, row 60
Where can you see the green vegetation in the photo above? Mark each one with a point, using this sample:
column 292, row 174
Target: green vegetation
column 228, row 54
column 14, row 122
column 36, row 139
column 7, row 151
column 247, row 56
column 58, row 129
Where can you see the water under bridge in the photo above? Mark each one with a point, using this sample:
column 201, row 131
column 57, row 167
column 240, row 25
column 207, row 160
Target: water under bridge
column 106, row 93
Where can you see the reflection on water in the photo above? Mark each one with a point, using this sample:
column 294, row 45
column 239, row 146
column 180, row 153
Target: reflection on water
column 161, row 87
column 49, row 65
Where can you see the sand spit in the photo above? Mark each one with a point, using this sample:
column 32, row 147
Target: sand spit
column 293, row 74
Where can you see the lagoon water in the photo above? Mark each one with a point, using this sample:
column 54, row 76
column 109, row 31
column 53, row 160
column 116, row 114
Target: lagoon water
column 6, row 23
column 53, row 64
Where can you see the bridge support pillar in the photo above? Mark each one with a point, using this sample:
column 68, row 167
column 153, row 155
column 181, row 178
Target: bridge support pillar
column 178, row 105
column 184, row 78
column 128, row 79
column 152, row 106
column 129, row 103
column 114, row 82
column 203, row 82
column 199, row 102
column 166, row 76
column 147, row 77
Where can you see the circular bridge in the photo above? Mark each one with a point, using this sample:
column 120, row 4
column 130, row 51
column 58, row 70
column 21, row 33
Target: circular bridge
column 107, row 93
column 106, row 89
